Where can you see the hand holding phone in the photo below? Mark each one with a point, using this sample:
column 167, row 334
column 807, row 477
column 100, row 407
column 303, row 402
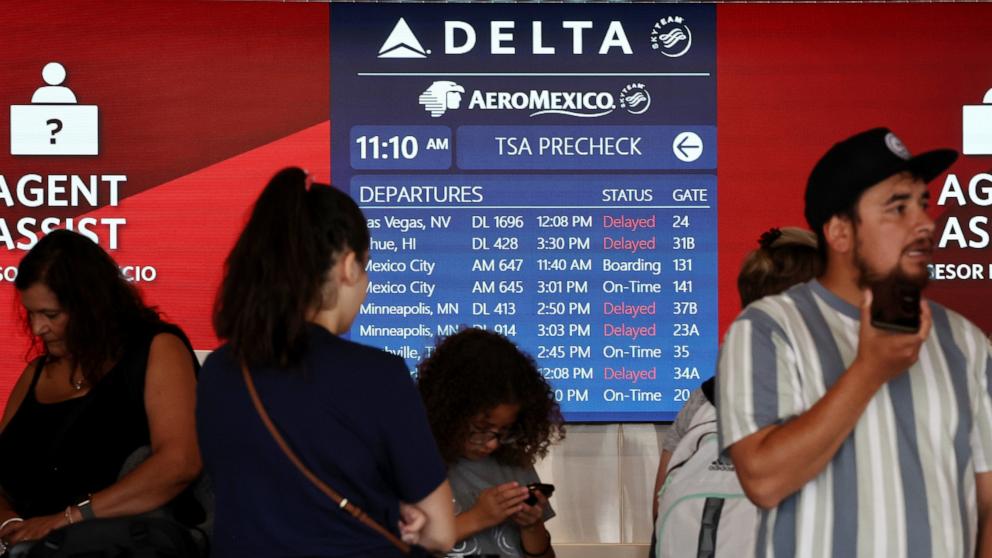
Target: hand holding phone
column 895, row 306
column 546, row 489
column 885, row 354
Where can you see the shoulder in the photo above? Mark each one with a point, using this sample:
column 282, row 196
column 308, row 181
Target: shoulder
column 765, row 317
column 953, row 319
column 329, row 345
column 170, row 361
column 780, row 307
column 167, row 343
column 20, row 391
column 949, row 325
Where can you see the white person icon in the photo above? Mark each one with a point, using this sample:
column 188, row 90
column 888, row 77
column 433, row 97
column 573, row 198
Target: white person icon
column 54, row 123
column 976, row 127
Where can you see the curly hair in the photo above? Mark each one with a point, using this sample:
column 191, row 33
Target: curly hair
column 474, row 371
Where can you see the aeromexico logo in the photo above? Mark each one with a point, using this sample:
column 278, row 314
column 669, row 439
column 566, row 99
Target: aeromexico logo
column 670, row 36
column 442, row 96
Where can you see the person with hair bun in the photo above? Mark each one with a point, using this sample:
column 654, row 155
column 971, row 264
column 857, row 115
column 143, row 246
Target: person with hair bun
column 493, row 415
column 112, row 380
column 784, row 257
column 293, row 283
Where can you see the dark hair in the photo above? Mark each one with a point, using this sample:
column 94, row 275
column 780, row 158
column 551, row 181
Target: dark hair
column 850, row 213
column 785, row 257
column 103, row 308
column 277, row 270
column 474, row 371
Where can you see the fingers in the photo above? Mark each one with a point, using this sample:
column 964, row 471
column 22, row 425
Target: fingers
column 413, row 521
column 542, row 500
column 510, row 494
column 529, row 515
column 926, row 320
column 411, row 513
column 10, row 530
column 866, row 298
column 409, row 533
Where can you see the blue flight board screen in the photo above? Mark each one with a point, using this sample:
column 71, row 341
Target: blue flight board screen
column 547, row 172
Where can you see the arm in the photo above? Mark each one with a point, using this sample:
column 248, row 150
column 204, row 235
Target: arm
column 170, row 389
column 983, row 487
column 779, row 459
column 439, row 533
column 170, row 398
column 17, row 396
column 534, row 536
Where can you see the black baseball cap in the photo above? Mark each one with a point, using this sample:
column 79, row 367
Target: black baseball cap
column 858, row 163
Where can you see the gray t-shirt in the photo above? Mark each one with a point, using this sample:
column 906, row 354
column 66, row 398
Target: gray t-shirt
column 682, row 421
column 468, row 479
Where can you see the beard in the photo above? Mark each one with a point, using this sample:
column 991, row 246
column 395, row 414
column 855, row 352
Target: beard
column 868, row 278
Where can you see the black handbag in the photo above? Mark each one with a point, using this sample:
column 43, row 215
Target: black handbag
column 117, row 537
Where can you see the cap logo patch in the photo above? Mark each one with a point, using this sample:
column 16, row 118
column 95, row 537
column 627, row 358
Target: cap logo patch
column 896, row 146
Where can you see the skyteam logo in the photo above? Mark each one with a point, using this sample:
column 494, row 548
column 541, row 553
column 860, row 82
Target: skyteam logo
column 671, row 36
column 441, row 96
column 402, row 43
column 635, row 98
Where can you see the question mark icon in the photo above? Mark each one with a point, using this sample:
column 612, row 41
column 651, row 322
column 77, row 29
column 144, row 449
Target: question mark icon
column 57, row 127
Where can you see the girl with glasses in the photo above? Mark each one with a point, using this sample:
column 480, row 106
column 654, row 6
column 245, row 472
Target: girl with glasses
column 493, row 415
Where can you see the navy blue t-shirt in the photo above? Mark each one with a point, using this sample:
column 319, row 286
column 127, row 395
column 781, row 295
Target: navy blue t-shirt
column 353, row 416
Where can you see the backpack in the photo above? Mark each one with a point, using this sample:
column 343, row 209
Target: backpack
column 702, row 509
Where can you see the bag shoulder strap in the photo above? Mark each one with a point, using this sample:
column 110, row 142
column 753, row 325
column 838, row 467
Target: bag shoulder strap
column 342, row 503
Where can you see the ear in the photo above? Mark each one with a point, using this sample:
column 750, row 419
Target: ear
column 350, row 269
column 839, row 234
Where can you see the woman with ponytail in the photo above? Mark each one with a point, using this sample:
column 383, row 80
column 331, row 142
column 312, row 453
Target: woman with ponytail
column 293, row 283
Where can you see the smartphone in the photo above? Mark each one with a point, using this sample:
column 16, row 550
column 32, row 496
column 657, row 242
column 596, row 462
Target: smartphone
column 546, row 489
column 895, row 306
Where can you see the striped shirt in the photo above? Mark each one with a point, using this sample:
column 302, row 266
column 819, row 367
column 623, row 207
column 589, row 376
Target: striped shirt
column 903, row 482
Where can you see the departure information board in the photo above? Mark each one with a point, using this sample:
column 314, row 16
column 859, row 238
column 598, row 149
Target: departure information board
column 546, row 172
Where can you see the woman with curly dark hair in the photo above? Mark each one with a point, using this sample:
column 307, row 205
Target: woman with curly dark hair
column 493, row 415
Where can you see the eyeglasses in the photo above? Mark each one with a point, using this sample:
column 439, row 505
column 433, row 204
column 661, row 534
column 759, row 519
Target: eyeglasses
column 482, row 437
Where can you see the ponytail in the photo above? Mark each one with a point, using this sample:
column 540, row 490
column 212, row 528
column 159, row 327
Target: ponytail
column 275, row 273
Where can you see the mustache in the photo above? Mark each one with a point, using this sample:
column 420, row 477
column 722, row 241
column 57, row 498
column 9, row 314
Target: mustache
column 922, row 244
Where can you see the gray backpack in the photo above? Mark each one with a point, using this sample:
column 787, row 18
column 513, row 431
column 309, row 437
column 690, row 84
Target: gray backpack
column 702, row 509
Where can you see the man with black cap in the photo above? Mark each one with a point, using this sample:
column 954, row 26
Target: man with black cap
column 858, row 441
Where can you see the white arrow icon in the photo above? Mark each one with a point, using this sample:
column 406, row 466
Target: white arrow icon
column 688, row 146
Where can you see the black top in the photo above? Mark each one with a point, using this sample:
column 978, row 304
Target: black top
column 352, row 414
column 57, row 454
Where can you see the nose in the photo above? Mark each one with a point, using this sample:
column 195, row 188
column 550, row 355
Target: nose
column 39, row 325
column 924, row 223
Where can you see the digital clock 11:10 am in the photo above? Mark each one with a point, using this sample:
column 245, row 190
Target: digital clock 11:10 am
column 393, row 147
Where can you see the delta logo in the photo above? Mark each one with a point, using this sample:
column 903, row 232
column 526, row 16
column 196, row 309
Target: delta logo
column 461, row 37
